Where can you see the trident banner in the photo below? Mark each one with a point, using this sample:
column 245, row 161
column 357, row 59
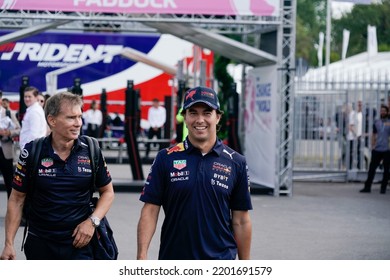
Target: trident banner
column 215, row 7
column 261, row 124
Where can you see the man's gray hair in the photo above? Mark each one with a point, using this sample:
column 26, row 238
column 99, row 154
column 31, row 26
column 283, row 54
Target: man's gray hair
column 54, row 102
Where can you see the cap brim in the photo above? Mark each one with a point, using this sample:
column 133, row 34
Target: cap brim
column 202, row 101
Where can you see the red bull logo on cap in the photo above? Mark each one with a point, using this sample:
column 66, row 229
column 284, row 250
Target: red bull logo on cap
column 191, row 94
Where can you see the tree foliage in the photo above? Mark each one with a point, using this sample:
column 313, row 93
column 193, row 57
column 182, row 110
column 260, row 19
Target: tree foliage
column 224, row 82
column 357, row 21
column 311, row 20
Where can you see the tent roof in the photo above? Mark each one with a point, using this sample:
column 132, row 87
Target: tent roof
column 217, row 43
column 360, row 67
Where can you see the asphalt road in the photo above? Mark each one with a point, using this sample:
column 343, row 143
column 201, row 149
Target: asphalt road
column 321, row 221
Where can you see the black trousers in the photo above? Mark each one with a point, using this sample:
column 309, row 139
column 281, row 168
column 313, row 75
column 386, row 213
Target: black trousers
column 151, row 134
column 36, row 248
column 353, row 152
column 93, row 130
column 7, row 169
column 376, row 158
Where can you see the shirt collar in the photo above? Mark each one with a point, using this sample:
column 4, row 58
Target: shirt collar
column 76, row 145
column 34, row 105
column 218, row 146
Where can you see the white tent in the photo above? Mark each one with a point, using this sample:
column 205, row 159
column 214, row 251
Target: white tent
column 357, row 68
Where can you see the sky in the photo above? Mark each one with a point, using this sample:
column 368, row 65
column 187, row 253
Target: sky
column 339, row 7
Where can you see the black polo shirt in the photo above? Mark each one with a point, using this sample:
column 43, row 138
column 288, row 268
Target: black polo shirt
column 197, row 193
column 60, row 200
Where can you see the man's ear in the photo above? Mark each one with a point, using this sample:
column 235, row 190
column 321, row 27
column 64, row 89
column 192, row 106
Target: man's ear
column 219, row 116
column 51, row 120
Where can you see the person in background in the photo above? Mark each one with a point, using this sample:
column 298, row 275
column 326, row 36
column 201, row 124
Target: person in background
column 117, row 121
column 33, row 123
column 180, row 120
column 203, row 187
column 93, row 120
column 156, row 117
column 117, row 126
column 41, row 100
column 9, row 128
column 380, row 151
column 61, row 222
column 5, row 103
column 46, row 96
column 7, row 106
column 341, row 120
column 355, row 130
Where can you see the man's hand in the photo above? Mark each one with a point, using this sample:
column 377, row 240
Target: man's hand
column 8, row 253
column 83, row 233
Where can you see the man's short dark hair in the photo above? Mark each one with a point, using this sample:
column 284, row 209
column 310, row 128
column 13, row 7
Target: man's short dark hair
column 34, row 90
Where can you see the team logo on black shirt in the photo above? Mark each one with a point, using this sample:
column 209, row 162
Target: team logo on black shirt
column 24, row 153
column 177, row 148
column 217, row 166
column 47, row 162
column 180, row 164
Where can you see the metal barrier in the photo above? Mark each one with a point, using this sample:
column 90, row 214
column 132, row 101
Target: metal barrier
column 116, row 148
column 322, row 115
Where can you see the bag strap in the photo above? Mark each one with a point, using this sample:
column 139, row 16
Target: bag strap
column 34, row 156
column 94, row 153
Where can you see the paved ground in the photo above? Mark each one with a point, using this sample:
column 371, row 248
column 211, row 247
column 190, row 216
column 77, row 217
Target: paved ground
column 321, row 221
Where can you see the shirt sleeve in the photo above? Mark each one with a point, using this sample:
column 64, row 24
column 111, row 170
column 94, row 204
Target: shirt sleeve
column 103, row 176
column 99, row 117
column 16, row 126
column 374, row 129
column 21, row 176
column 163, row 116
column 241, row 199
column 33, row 127
column 154, row 186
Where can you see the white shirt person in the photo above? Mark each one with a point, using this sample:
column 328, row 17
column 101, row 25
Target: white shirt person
column 34, row 122
column 157, row 116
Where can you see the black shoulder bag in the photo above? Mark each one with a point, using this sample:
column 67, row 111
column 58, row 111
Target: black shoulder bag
column 104, row 245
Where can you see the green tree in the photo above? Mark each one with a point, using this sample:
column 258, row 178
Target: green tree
column 224, row 83
column 357, row 21
column 311, row 19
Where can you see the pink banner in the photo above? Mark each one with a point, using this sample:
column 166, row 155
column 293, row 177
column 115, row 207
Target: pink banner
column 366, row 2
column 213, row 7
